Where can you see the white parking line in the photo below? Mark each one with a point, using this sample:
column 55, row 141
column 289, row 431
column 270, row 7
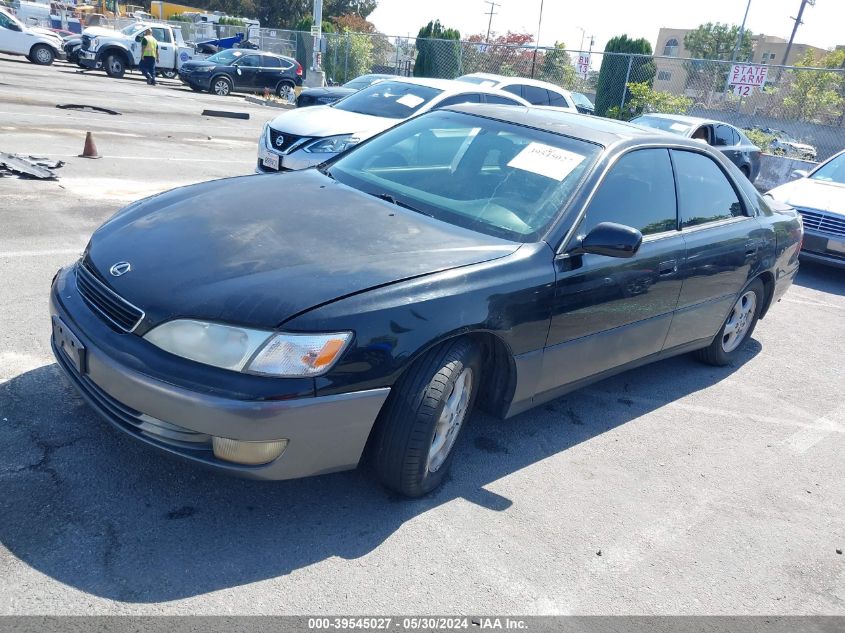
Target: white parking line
column 804, row 439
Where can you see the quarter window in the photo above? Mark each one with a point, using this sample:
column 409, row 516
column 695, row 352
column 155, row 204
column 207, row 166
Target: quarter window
column 639, row 191
column 558, row 100
column 704, row 192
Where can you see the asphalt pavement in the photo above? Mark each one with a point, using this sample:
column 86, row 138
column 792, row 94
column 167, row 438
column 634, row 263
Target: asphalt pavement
column 676, row 488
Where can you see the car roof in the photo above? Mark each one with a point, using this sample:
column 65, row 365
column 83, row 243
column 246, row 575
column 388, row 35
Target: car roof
column 450, row 86
column 517, row 80
column 683, row 118
column 598, row 130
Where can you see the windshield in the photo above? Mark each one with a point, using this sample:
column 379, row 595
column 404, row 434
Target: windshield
column 388, row 99
column 490, row 176
column 667, row 125
column 582, row 100
column 833, row 171
column 225, row 58
column 132, row 29
column 11, row 18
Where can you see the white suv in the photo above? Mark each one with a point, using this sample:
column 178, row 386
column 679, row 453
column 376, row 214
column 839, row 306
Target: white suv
column 40, row 46
column 535, row 92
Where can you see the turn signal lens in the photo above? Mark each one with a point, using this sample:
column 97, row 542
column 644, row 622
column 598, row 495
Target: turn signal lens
column 299, row 355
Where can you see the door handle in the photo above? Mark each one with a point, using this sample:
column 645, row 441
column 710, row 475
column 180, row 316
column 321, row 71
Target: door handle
column 751, row 248
column 669, row 267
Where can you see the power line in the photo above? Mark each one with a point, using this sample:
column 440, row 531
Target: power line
column 493, row 5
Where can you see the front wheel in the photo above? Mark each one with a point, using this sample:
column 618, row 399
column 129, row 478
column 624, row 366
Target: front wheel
column 42, row 55
column 417, row 430
column 114, row 65
column 221, row 86
column 737, row 328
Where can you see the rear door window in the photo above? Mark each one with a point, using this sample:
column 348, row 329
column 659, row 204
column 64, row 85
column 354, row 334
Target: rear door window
column 535, row 95
column 705, row 194
column 470, row 97
column 638, row 191
column 501, row 100
column 557, row 100
column 515, row 89
column 724, row 136
column 270, row 62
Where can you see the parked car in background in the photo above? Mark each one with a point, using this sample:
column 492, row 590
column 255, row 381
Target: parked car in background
column 238, row 70
column 533, row 91
column 40, row 46
column 721, row 136
column 305, row 137
column 819, row 196
column 330, row 94
column 501, row 257
column 71, row 46
column 784, row 143
column 583, row 104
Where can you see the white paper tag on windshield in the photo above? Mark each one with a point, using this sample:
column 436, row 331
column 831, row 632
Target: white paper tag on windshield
column 411, row 101
column 679, row 127
column 548, row 161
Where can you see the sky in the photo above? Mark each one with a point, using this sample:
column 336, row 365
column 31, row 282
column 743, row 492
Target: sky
column 824, row 24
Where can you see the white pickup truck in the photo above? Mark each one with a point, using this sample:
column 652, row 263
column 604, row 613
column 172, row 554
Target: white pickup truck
column 117, row 51
column 40, row 46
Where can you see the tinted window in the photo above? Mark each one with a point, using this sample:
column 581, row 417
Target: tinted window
column 472, row 97
column 558, row 100
column 514, row 90
column 249, row 61
column 389, row 99
column 704, row 192
column 270, row 62
column 639, row 191
column 500, row 100
column 660, row 123
column 5, row 21
column 725, row 136
column 490, row 176
column 535, row 95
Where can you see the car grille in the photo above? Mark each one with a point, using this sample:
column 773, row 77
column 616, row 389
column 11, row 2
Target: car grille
column 287, row 140
column 104, row 301
column 824, row 222
column 86, row 42
column 134, row 421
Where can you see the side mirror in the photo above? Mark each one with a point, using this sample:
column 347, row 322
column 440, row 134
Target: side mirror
column 800, row 173
column 612, row 240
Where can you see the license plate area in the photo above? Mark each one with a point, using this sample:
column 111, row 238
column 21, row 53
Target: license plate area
column 69, row 345
column 270, row 161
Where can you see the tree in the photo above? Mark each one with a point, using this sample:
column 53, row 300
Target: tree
column 502, row 55
column 815, row 95
column 644, row 99
column 438, row 52
column 714, row 41
column 557, row 67
column 614, row 73
column 360, row 8
column 350, row 51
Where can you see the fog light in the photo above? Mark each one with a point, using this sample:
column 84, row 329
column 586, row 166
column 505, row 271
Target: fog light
column 249, row 453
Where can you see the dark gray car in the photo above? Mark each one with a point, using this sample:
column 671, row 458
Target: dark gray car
column 721, row 136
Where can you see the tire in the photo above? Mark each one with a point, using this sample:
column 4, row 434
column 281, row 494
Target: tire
column 42, row 55
column 286, row 91
column 195, row 89
column 418, row 428
column 221, row 86
column 168, row 73
column 737, row 328
column 115, row 65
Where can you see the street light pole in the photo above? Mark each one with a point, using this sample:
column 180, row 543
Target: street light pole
column 537, row 43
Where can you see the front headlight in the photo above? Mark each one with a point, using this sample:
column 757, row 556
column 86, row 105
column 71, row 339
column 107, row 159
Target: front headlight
column 251, row 351
column 332, row 144
column 202, row 69
column 95, row 43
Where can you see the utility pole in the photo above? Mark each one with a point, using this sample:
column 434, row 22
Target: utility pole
column 798, row 22
column 493, row 5
column 537, row 43
column 737, row 46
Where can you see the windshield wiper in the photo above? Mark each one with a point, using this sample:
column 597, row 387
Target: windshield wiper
column 387, row 197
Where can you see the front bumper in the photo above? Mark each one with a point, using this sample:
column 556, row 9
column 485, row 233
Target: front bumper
column 87, row 59
column 325, row 434
column 297, row 159
column 198, row 81
column 823, row 248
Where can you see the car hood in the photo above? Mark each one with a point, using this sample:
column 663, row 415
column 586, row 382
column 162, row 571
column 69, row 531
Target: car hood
column 199, row 63
column 45, row 32
column 99, row 31
column 258, row 250
column 812, row 194
column 327, row 121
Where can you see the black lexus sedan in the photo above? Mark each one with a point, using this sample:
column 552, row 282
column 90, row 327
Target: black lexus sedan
column 725, row 138
column 330, row 94
column 243, row 71
column 492, row 255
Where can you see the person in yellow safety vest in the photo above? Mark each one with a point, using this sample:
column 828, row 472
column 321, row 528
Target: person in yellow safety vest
column 149, row 57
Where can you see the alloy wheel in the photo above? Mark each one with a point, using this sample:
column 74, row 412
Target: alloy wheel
column 450, row 420
column 739, row 321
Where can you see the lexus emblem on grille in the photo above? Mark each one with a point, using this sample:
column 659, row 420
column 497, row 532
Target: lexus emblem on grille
column 120, row 268
column 280, row 140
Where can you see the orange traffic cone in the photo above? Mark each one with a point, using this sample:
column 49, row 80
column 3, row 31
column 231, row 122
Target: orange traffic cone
column 90, row 150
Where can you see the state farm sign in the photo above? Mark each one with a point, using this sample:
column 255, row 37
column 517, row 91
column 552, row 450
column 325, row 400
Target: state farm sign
column 745, row 77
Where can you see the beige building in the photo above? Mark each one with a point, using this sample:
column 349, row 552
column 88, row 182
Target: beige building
column 672, row 74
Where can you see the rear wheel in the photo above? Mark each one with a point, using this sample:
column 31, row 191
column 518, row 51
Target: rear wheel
column 221, row 86
column 168, row 73
column 420, row 424
column 737, row 328
column 42, row 55
column 286, row 91
column 115, row 65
